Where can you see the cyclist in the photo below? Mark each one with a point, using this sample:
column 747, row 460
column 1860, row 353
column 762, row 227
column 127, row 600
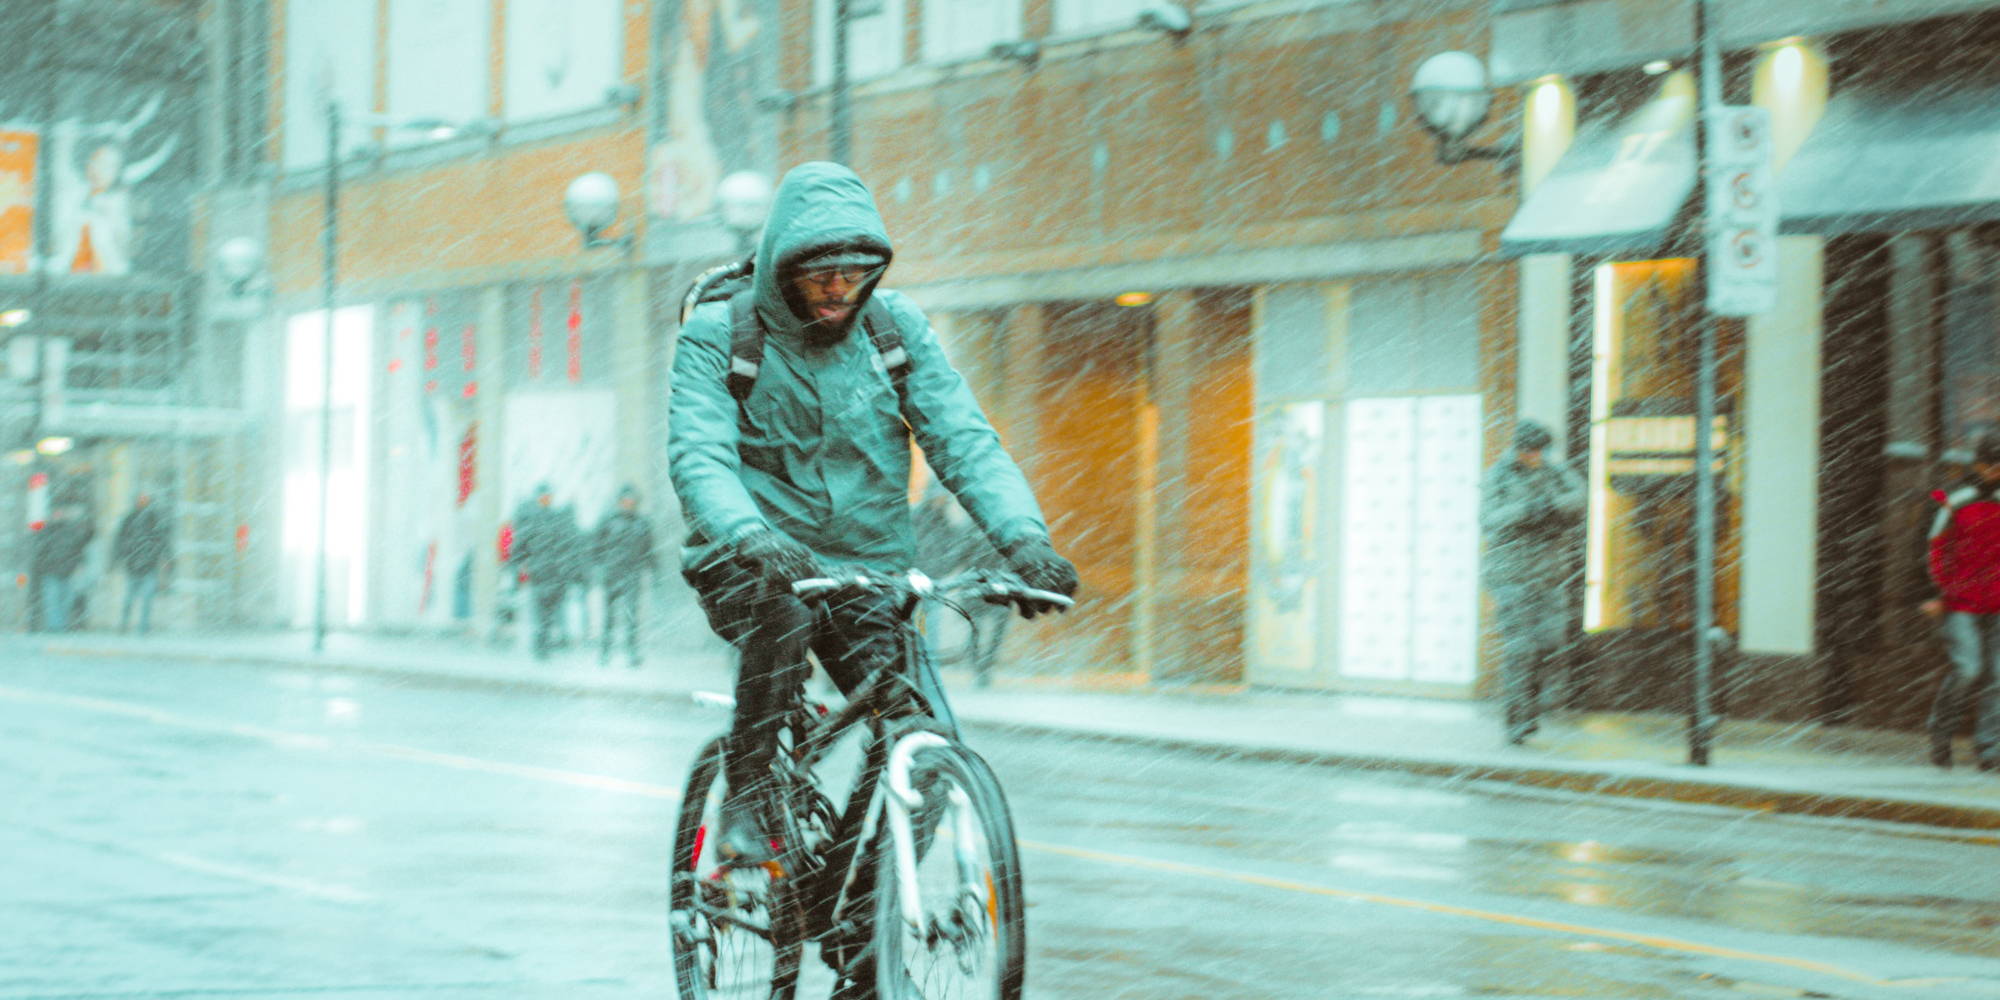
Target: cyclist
column 809, row 473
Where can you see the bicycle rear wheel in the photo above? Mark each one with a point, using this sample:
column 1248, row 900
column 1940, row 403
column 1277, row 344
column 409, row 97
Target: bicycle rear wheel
column 735, row 929
column 969, row 939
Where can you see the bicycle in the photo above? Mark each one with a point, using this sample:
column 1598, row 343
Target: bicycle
column 972, row 640
column 864, row 882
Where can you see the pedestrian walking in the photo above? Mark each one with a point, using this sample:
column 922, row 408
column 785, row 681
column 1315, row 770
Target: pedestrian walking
column 142, row 549
column 623, row 547
column 1964, row 557
column 542, row 559
column 572, row 568
column 58, row 554
column 1530, row 508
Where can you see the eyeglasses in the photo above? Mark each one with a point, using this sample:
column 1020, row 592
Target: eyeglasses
column 851, row 274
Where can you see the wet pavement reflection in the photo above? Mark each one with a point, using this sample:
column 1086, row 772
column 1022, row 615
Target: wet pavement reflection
column 181, row 829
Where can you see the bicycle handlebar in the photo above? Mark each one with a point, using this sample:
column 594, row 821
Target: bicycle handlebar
column 987, row 584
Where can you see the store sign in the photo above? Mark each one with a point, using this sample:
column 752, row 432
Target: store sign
column 1742, row 213
column 1658, row 444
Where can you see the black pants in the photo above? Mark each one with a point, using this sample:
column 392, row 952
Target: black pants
column 548, row 598
column 621, row 600
column 1532, row 620
column 1972, row 680
column 773, row 630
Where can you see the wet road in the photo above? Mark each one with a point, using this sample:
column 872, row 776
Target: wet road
column 181, row 830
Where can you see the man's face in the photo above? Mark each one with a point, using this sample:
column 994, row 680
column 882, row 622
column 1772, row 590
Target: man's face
column 628, row 504
column 545, row 499
column 830, row 294
column 1530, row 457
column 1987, row 473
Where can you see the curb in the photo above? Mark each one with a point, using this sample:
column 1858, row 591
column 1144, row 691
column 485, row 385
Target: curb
column 1960, row 822
column 1965, row 823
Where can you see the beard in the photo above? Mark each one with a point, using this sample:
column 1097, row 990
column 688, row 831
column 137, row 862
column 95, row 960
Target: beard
column 824, row 333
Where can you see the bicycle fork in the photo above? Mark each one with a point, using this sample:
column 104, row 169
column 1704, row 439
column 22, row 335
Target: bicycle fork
column 902, row 800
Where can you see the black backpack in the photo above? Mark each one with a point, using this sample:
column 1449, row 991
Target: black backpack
column 746, row 334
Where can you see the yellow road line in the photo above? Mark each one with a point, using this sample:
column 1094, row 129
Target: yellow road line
column 1656, row 941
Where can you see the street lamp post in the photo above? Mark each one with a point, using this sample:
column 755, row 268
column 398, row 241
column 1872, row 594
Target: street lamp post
column 330, row 278
column 330, row 275
column 743, row 198
column 840, row 128
column 1701, row 709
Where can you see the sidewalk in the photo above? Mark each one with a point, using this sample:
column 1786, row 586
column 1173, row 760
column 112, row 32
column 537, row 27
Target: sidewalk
column 1865, row 774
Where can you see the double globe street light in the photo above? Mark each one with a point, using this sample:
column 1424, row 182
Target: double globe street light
column 591, row 202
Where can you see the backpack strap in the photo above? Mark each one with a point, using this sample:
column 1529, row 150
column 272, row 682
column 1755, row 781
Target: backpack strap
column 746, row 344
column 888, row 341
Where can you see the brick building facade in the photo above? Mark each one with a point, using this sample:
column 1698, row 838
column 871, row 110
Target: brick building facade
column 1244, row 330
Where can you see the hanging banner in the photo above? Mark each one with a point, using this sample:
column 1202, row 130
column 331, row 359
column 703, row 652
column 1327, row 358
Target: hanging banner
column 18, row 148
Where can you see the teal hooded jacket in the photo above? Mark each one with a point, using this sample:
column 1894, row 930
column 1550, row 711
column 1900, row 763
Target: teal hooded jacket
column 820, row 449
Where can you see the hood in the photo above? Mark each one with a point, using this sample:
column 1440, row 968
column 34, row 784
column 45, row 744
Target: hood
column 818, row 207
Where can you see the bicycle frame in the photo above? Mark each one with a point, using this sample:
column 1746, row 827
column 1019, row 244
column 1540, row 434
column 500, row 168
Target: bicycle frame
column 833, row 881
column 887, row 696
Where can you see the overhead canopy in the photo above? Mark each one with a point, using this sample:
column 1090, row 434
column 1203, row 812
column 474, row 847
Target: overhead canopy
column 1913, row 149
column 1617, row 189
column 1900, row 148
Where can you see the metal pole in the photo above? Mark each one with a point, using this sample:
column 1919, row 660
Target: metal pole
column 656, row 77
column 329, row 248
column 41, row 258
column 840, row 129
column 1701, row 717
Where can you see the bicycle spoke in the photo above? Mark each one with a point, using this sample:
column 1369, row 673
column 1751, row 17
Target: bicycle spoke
column 726, row 932
column 967, row 942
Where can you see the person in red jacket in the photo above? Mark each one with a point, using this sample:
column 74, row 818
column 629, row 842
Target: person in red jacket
column 1965, row 566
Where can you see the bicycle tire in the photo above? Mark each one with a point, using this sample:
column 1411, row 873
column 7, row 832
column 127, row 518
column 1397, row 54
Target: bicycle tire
column 914, row 966
column 770, row 966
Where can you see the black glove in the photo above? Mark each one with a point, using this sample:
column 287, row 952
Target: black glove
column 776, row 558
column 1038, row 565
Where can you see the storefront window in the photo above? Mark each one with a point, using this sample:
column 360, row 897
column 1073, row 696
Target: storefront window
column 1639, row 569
column 1410, row 444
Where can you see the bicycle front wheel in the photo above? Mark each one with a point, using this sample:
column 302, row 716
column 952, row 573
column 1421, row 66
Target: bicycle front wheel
column 735, row 929
column 967, row 939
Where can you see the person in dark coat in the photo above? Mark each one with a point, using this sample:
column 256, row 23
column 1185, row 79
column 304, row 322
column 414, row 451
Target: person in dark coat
column 58, row 554
column 623, row 550
column 543, row 559
column 1530, row 506
column 141, row 548
column 572, row 546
